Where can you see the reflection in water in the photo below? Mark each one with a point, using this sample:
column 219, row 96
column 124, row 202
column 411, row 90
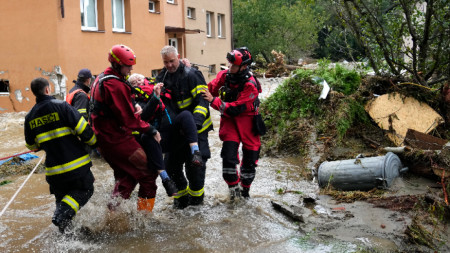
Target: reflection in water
column 217, row 226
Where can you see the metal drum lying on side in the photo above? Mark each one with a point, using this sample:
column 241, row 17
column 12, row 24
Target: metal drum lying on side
column 361, row 173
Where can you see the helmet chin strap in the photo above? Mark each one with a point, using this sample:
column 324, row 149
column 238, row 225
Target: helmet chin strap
column 117, row 67
column 239, row 76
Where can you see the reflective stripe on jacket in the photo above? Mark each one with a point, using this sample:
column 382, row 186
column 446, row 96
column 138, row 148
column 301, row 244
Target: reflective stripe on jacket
column 57, row 128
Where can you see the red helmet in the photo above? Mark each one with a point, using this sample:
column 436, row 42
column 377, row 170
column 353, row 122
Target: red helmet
column 240, row 56
column 122, row 55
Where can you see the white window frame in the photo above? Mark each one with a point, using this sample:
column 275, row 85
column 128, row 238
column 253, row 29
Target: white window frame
column 83, row 9
column 171, row 1
column 114, row 10
column 208, row 24
column 189, row 12
column 220, row 18
column 154, row 6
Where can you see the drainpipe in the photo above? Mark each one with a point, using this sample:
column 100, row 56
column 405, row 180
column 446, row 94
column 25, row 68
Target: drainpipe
column 231, row 25
column 62, row 8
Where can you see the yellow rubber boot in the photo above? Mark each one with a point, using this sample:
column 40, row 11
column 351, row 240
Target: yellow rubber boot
column 145, row 204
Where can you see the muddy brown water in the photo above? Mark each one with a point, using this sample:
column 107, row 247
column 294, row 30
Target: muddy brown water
column 217, row 226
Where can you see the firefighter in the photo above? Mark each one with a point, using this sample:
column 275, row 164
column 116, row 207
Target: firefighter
column 113, row 118
column 234, row 92
column 78, row 96
column 57, row 128
column 187, row 121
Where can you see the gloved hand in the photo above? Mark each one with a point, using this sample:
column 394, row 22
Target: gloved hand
column 198, row 125
column 235, row 110
column 152, row 131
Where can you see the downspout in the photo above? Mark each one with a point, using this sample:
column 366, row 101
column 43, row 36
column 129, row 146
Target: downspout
column 231, row 25
column 62, row 8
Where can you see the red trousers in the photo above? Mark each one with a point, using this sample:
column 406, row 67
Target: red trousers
column 129, row 162
column 233, row 131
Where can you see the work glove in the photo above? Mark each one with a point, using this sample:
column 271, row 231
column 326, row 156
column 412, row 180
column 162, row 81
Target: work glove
column 235, row 110
column 152, row 131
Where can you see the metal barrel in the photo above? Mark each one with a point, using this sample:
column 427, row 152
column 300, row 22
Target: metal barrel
column 360, row 173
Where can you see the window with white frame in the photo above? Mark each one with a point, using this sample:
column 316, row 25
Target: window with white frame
column 208, row 24
column 220, row 25
column 190, row 12
column 118, row 15
column 88, row 10
column 171, row 1
column 151, row 6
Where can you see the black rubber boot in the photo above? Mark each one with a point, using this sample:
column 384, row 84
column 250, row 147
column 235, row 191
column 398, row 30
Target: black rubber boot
column 170, row 187
column 235, row 192
column 62, row 218
column 245, row 192
column 181, row 202
column 196, row 201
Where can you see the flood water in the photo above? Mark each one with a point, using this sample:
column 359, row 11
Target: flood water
column 217, row 226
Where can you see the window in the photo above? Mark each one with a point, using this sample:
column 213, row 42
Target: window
column 88, row 10
column 151, row 6
column 118, row 15
column 171, row 1
column 4, row 87
column 191, row 13
column 155, row 72
column 208, row 24
column 220, row 26
column 212, row 69
column 173, row 42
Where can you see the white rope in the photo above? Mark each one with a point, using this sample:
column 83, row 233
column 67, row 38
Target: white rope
column 20, row 188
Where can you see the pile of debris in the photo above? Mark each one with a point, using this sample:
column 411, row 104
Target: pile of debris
column 277, row 68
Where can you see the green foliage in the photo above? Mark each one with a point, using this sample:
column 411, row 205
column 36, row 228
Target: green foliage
column 5, row 182
column 349, row 112
column 399, row 35
column 289, row 26
column 341, row 79
column 294, row 108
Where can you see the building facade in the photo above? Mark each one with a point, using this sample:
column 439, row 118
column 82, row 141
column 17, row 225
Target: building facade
column 209, row 47
column 56, row 39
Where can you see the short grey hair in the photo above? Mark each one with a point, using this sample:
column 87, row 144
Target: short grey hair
column 168, row 50
column 134, row 77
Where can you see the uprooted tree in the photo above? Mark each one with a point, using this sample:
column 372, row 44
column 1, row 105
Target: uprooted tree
column 402, row 35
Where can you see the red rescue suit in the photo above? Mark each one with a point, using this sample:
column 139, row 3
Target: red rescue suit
column 113, row 120
column 236, row 126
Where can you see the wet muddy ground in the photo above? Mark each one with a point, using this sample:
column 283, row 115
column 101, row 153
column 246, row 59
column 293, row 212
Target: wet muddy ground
column 217, row 226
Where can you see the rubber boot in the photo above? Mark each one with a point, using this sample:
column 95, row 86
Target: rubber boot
column 62, row 218
column 196, row 200
column 245, row 192
column 235, row 192
column 144, row 204
column 181, row 202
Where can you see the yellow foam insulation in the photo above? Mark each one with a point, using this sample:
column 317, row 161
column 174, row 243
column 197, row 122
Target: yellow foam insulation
column 397, row 113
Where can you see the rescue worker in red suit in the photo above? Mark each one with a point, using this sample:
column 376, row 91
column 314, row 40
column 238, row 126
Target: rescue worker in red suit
column 234, row 92
column 78, row 96
column 57, row 128
column 113, row 118
column 186, row 123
